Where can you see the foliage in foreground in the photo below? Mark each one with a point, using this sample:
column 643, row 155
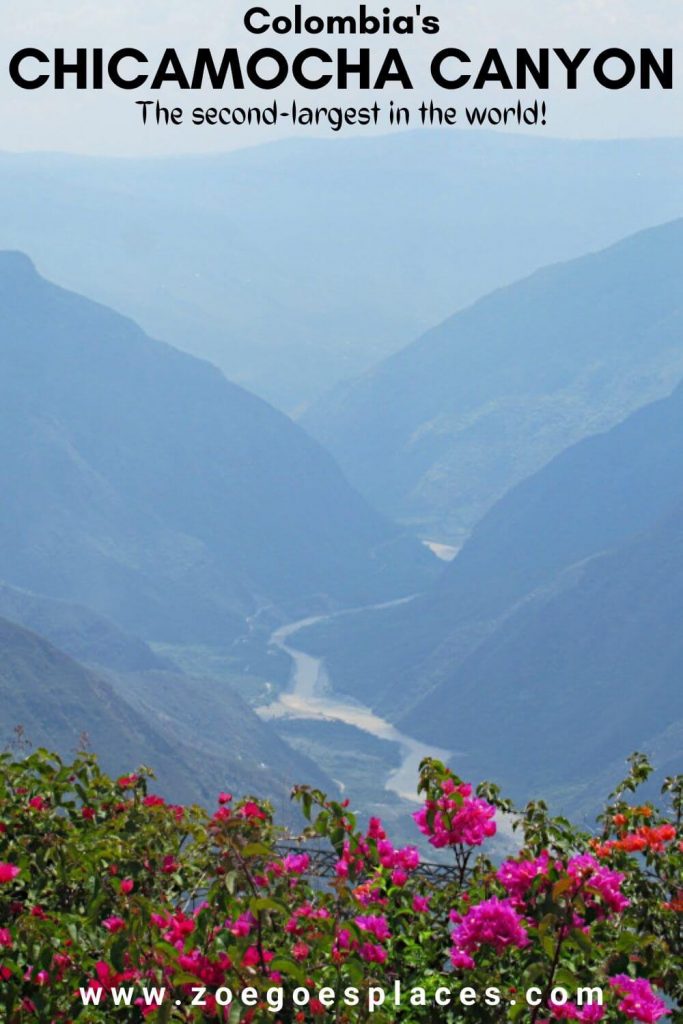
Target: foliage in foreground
column 105, row 885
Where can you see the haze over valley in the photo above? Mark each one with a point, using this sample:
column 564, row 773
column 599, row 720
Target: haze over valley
column 193, row 578
column 300, row 264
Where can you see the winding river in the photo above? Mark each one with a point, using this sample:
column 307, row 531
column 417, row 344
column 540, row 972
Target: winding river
column 311, row 697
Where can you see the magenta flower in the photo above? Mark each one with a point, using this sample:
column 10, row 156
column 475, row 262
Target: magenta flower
column 127, row 781
column 570, row 1011
column 462, row 960
column 252, row 812
column 377, row 926
column 456, row 818
column 296, row 863
column 154, row 801
column 114, row 924
column 242, row 926
column 169, row 865
column 8, row 872
column 494, row 923
column 598, row 881
column 372, row 953
column 517, row 876
column 639, row 1001
column 252, row 957
column 375, row 830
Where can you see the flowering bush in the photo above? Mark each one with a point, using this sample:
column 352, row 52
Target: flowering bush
column 107, row 889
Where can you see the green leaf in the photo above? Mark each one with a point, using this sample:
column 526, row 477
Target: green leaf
column 582, row 940
column 257, row 850
column 289, row 968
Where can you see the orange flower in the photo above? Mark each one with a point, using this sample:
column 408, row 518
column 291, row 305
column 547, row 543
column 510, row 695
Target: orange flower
column 676, row 904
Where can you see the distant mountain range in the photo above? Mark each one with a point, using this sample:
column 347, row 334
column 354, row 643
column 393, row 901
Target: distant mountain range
column 140, row 483
column 298, row 264
column 435, row 434
column 551, row 647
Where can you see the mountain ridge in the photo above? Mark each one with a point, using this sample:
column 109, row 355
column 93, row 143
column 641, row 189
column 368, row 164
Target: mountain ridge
column 550, row 647
column 78, row 632
column 155, row 492
column 438, row 432
column 64, row 706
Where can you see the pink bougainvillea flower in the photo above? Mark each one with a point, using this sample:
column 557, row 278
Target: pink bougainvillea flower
column 211, row 972
column 462, row 960
column 8, row 872
column 127, row 781
column 372, row 953
column 127, row 886
column 377, row 926
column 114, row 924
column 456, row 818
column 517, row 876
column 570, row 1011
column 591, row 1014
column 375, row 829
column 222, row 814
column 597, row 883
column 175, row 927
column 296, row 863
column 252, row 812
column 252, row 957
column 494, row 923
column 243, row 925
column 401, row 862
column 639, row 1002
column 154, row 801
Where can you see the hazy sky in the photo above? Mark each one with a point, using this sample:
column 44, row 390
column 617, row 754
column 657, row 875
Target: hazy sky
column 109, row 122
